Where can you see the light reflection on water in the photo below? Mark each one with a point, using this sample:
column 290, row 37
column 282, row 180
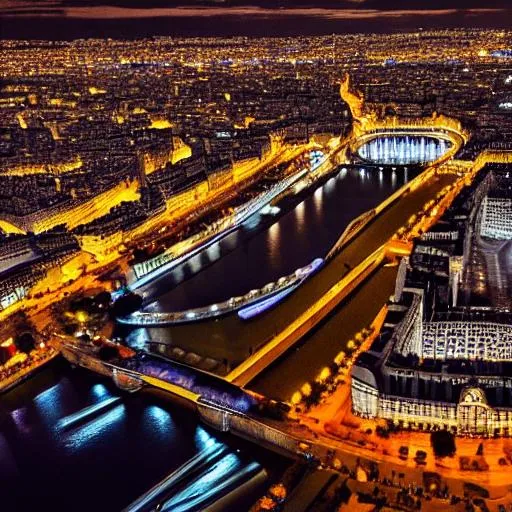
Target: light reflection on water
column 158, row 423
column 97, row 455
column 206, row 484
column 213, row 251
column 19, row 417
column 318, row 198
column 49, row 403
column 194, row 264
column 99, row 391
column 90, row 433
column 73, row 433
column 274, row 242
column 138, row 338
column 86, row 414
column 300, row 213
column 203, row 439
column 330, row 185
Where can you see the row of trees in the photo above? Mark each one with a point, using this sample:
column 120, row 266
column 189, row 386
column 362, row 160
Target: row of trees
column 426, row 211
column 311, row 393
column 24, row 329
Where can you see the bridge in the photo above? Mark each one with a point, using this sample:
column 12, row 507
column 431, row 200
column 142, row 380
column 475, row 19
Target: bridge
column 285, row 339
column 282, row 286
column 216, row 310
column 146, row 271
column 250, row 350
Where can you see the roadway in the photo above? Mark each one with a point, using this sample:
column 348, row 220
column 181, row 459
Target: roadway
column 232, row 340
column 319, row 348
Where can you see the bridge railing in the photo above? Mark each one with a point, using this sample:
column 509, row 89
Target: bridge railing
column 350, row 232
column 247, row 426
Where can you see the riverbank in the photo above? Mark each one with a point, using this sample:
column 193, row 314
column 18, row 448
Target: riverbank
column 14, row 375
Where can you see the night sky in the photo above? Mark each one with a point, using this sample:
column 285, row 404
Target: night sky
column 68, row 19
column 270, row 4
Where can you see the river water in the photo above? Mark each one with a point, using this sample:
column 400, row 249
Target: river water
column 266, row 247
column 70, row 440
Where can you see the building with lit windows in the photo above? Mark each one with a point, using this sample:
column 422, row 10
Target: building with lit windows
column 497, row 217
column 443, row 360
column 452, row 375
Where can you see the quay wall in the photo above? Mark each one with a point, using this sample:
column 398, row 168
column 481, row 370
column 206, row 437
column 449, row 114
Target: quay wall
column 252, row 366
column 79, row 213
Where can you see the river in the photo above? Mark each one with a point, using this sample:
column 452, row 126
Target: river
column 266, row 248
column 70, row 440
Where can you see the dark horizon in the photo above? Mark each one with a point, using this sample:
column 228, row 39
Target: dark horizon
column 382, row 5
column 118, row 23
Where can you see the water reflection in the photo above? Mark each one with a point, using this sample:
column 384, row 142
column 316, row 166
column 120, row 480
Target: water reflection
column 194, row 264
column 213, row 251
column 20, row 419
column 99, row 391
column 318, row 197
column 87, row 414
column 71, row 435
column 138, row 338
column 274, row 242
column 67, row 432
column 207, row 485
column 203, row 439
column 49, row 403
column 330, row 185
column 300, row 213
column 91, row 432
column 158, row 421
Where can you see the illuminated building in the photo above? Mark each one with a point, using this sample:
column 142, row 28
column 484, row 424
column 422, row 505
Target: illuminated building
column 435, row 364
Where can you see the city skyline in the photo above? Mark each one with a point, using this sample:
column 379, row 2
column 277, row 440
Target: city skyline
column 255, row 257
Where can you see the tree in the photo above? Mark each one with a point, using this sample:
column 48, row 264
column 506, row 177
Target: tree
column 20, row 322
column 103, row 299
column 316, row 392
column 443, row 443
column 127, row 304
column 25, row 342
